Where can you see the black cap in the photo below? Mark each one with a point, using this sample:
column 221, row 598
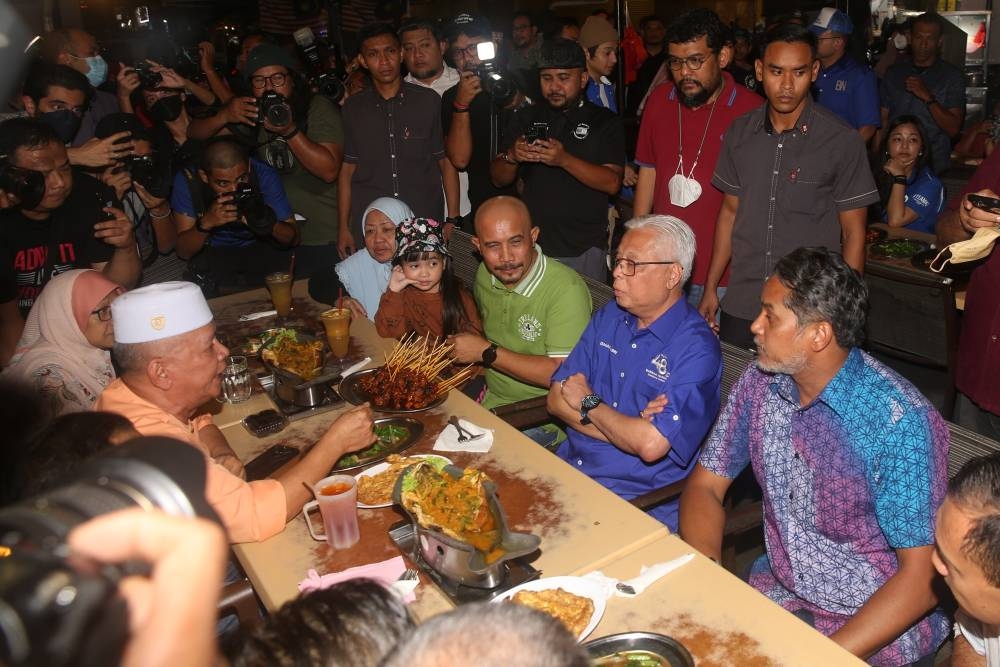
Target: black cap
column 114, row 123
column 469, row 25
column 559, row 53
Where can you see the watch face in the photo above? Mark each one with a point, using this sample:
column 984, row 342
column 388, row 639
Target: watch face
column 590, row 402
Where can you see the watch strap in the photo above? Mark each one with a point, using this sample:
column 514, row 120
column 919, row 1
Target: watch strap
column 490, row 355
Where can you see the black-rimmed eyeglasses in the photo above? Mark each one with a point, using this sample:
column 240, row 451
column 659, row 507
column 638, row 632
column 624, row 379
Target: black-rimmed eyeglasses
column 103, row 314
column 692, row 62
column 627, row 266
column 277, row 80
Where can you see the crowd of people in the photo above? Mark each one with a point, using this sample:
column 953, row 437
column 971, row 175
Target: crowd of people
column 757, row 165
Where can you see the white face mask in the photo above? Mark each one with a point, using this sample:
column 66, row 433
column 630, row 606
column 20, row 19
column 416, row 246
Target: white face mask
column 684, row 191
column 899, row 41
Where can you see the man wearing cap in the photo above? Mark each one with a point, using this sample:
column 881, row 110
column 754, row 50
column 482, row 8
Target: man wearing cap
column 172, row 363
column 394, row 146
column 844, row 86
column 928, row 88
column 304, row 143
column 569, row 153
column 681, row 132
column 600, row 42
column 472, row 121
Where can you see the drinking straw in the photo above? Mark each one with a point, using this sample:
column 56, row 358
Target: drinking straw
column 291, row 266
column 340, row 298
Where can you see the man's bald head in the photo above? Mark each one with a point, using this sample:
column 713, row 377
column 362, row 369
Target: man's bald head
column 502, row 210
column 506, row 238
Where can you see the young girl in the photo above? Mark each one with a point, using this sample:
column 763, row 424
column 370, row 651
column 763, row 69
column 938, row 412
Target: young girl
column 424, row 296
column 912, row 196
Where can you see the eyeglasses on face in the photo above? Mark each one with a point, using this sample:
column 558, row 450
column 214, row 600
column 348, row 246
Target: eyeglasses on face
column 627, row 266
column 277, row 79
column 468, row 52
column 103, row 314
column 692, row 62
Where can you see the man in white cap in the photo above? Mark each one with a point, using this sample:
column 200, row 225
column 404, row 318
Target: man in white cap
column 172, row 363
column 844, row 86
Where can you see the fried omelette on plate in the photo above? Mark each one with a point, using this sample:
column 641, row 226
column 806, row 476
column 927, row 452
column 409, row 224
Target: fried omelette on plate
column 574, row 611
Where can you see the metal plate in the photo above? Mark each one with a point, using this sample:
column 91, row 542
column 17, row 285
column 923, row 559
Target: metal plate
column 666, row 647
column 379, row 451
column 350, row 389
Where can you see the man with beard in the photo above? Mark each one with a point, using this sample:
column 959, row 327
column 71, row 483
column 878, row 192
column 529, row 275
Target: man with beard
column 928, row 88
column 702, row 101
column 816, row 193
column 527, row 42
column 853, row 463
column 569, row 154
column 472, row 120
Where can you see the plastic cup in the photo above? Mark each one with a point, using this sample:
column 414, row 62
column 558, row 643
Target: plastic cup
column 280, row 286
column 237, row 385
column 337, row 500
column 337, row 322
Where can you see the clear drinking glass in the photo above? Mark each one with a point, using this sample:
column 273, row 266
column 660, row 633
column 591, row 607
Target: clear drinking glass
column 237, row 385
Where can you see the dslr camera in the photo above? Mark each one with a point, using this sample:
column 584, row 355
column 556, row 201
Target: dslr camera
column 58, row 608
column 27, row 185
column 250, row 206
column 147, row 77
column 496, row 82
column 274, row 108
column 148, row 171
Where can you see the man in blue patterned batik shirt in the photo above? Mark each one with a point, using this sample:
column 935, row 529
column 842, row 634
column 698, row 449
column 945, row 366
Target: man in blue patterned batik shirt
column 852, row 461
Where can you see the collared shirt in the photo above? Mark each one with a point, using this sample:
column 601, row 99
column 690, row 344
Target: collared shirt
column 572, row 217
column 924, row 196
column 847, row 479
column 543, row 315
column 602, row 93
column 395, row 146
column 984, row 638
column 850, row 90
column 662, row 133
column 250, row 511
column 628, row 366
column 792, row 187
column 979, row 345
column 944, row 81
column 448, row 78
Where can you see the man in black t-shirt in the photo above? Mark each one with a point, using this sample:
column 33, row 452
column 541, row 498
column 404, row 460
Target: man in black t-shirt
column 569, row 153
column 68, row 228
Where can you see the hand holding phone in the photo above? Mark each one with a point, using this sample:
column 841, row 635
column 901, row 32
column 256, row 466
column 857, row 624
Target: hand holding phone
column 991, row 204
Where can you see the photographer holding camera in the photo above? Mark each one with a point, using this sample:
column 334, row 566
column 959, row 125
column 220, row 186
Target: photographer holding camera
column 234, row 223
column 299, row 135
column 473, row 118
column 569, row 153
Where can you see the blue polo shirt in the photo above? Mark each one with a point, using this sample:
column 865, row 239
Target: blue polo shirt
column 850, row 90
column 602, row 93
column 677, row 355
column 924, row 196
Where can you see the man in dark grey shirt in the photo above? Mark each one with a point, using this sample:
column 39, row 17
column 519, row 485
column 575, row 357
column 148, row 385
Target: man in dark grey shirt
column 393, row 142
column 793, row 174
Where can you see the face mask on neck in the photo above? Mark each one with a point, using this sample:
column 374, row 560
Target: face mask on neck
column 899, row 41
column 98, row 71
column 166, row 109
column 65, row 123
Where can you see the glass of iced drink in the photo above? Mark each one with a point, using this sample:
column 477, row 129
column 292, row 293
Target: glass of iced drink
column 280, row 286
column 337, row 500
column 337, row 322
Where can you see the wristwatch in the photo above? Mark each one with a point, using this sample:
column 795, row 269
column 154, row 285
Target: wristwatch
column 490, row 355
column 455, row 220
column 589, row 402
column 899, row 180
column 200, row 227
column 505, row 156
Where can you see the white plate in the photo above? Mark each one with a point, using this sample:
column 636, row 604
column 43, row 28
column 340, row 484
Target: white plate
column 382, row 467
column 575, row 585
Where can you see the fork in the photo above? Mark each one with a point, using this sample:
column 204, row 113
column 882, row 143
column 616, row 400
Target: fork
column 409, row 574
column 464, row 435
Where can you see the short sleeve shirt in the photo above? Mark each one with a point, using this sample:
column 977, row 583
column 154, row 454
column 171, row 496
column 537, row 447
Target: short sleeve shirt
column 309, row 195
column 395, row 146
column 601, row 92
column 850, row 90
column 542, row 315
column 32, row 251
column 944, row 81
column 663, row 138
column 925, row 197
column 847, row 479
column 234, row 234
column 627, row 366
column 792, row 187
column 572, row 217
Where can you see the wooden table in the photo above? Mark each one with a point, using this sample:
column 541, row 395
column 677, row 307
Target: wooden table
column 906, row 264
column 582, row 525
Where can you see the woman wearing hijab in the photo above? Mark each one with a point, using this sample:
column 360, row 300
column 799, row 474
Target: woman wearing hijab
column 364, row 276
column 64, row 353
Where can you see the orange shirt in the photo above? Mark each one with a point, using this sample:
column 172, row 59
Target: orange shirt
column 250, row 511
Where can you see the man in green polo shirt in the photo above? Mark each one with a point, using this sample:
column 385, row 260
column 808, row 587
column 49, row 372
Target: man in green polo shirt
column 533, row 308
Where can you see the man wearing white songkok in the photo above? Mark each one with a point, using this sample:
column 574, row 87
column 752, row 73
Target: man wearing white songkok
column 171, row 363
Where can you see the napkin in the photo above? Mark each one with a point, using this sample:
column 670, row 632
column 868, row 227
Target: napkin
column 354, row 368
column 257, row 316
column 447, row 441
column 648, row 575
column 387, row 572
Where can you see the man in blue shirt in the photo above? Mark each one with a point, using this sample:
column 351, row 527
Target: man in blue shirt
column 644, row 377
column 844, row 86
column 231, row 239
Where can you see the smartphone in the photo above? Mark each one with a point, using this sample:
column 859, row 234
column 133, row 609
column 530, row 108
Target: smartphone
column 269, row 461
column 991, row 204
column 536, row 132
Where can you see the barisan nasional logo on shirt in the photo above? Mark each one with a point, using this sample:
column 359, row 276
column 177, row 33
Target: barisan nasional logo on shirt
column 581, row 131
column 529, row 327
column 660, row 370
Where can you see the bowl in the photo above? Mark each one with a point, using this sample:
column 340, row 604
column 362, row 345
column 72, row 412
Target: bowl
column 667, row 648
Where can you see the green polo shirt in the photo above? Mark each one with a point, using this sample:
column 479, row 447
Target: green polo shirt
column 543, row 315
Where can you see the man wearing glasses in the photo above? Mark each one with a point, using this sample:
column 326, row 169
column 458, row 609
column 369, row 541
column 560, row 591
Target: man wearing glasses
column 681, row 132
column 644, row 377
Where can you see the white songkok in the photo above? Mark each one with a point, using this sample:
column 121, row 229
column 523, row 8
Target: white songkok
column 159, row 311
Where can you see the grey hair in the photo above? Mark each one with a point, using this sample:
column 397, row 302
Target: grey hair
column 131, row 357
column 674, row 237
column 490, row 635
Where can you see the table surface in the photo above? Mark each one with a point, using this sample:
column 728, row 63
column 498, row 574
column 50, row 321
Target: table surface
column 582, row 525
column 901, row 233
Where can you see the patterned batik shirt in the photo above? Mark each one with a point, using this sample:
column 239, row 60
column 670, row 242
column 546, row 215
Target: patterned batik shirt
column 847, row 479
